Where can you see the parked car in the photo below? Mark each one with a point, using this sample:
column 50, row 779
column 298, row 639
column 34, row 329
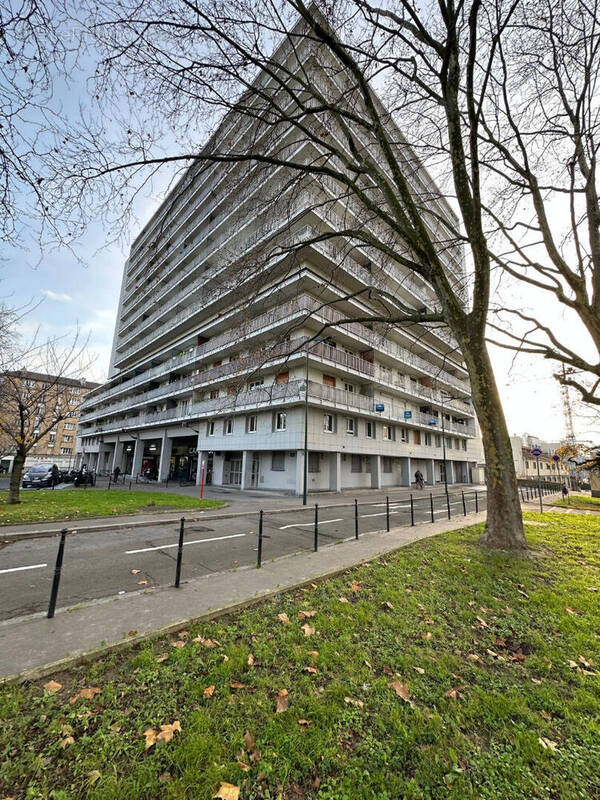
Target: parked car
column 38, row 476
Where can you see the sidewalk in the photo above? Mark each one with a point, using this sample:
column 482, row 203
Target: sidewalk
column 237, row 504
column 35, row 646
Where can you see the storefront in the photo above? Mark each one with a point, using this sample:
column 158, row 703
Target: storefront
column 184, row 459
column 151, row 459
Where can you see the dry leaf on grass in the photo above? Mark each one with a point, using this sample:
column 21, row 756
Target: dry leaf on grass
column 209, row 691
column 387, row 604
column 142, row 583
column 313, row 653
column 164, row 734
column 250, row 660
column 312, row 670
column 306, row 614
column 237, row 685
column 454, row 693
column 67, row 741
column 206, row 642
column 52, row 687
column 475, row 658
column 303, row 722
column 402, row 691
column 227, row 791
column 94, row 776
column 283, row 618
column 352, row 702
column 243, row 766
column 548, row 744
column 344, row 600
column 283, row 701
column 163, row 657
column 86, row 694
column 570, row 610
column 482, row 623
column 356, row 586
column 420, row 670
column 308, row 630
column 179, row 643
column 426, row 635
column 135, row 571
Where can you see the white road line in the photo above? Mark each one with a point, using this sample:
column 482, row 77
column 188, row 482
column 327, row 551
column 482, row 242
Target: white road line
column 19, row 569
column 310, row 524
column 378, row 514
column 194, row 541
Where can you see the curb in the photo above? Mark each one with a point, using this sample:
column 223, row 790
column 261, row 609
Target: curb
column 82, row 658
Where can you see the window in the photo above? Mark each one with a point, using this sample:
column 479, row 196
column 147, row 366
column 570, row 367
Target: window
column 328, row 423
column 214, row 393
column 449, row 443
column 385, row 374
column 387, row 464
column 417, row 437
column 464, row 444
column 356, row 463
column 66, row 451
column 369, row 430
column 278, row 462
column 253, row 385
column 457, row 444
column 251, row 423
column 349, row 387
column 350, row 426
column 210, row 428
column 438, row 440
column 68, row 438
column 72, row 414
column 329, row 380
column 403, row 435
column 280, row 421
column 68, row 426
column 52, row 437
column 228, row 426
column 388, row 433
column 428, row 439
column 314, row 462
column 75, row 390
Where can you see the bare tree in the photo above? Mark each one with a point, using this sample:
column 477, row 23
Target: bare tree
column 37, row 395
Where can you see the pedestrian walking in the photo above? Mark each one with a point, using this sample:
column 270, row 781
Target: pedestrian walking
column 55, row 476
column 565, row 491
column 116, row 473
column 419, row 479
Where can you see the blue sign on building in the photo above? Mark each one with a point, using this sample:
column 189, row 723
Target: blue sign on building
column 408, row 415
column 379, row 407
column 433, row 421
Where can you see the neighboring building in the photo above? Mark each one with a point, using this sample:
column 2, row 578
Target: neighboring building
column 210, row 354
column 58, row 446
column 526, row 464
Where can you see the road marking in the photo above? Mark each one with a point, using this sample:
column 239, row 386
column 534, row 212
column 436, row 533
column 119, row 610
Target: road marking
column 194, row 541
column 18, row 569
column 310, row 524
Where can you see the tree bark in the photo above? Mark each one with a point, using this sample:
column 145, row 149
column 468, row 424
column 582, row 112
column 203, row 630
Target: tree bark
column 15, row 479
column 504, row 526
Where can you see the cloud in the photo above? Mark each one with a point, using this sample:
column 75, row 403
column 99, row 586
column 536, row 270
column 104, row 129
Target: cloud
column 58, row 296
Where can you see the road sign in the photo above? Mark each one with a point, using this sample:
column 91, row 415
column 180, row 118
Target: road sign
column 379, row 407
column 536, row 452
column 556, row 458
column 432, row 421
column 408, row 415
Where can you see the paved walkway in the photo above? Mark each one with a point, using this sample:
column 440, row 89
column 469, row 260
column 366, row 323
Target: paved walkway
column 36, row 646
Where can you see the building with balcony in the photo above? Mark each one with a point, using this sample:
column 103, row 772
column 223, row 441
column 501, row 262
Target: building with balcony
column 237, row 339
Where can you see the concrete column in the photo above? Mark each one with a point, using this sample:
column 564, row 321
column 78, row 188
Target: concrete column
column 300, row 473
column 201, row 458
column 116, row 459
column 335, row 472
column 430, row 470
column 138, row 455
column 375, row 472
column 164, row 463
column 246, row 464
column 406, row 471
column 450, row 465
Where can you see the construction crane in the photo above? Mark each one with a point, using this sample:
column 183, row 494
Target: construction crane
column 566, row 402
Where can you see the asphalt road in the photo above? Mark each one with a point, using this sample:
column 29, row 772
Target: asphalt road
column 104, row 564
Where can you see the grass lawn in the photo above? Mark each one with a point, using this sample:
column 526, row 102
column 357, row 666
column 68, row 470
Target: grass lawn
column 441, row 671
column 582, row 501
column 44, row 505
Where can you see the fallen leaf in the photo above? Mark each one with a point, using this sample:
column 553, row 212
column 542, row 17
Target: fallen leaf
column 52, row 687
column 227, row 791
column 351, row 701
column 388, row 670
column 570, row 610
column 135, row 571
column 164, row 734
column 303, row 722
column 163, row 657
column 67, row 741
column 94, row 776
column 387, row 604
column 209, row 691
column 312, row 670
column 586, row 662
column 548, row 744
column 454, row 693
column 313, row 585
column 573, row 664
column 313, row 653
column 283, row 618
column 131, row 633
column 308, row 631
column 420, row 670
column 402, row 691
column 426, row 635
column 482, row 622
column 306, row 614
column 546, row 715
column 179, row 643
column 86, row 694
column 250, row 660
column 243, row 766
column 428, row 621
column 356, row 586
column 142, row 583
column 475, row 658
column 344, row 600
column 249, row 741
column 237, row 685
column 206, row 642
column 283, row 701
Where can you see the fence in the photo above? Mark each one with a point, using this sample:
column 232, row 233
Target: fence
column 314, row 525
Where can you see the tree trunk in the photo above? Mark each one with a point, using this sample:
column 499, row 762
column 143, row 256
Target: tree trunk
column 504, row 526
column 15, row 479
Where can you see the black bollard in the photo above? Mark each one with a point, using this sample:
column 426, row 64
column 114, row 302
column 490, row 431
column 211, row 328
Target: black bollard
column 57, row 570
column 464, row 504
column 179, row 554
column 412, row 511
column 316, row 527
column 355, row 518
column 431, row 504
column 260, row 535
column 387, row 514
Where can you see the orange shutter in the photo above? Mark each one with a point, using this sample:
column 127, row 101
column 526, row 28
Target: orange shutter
column 329, row 380
column 283, row 377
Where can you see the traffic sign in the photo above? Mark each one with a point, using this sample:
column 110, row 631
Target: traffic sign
column 432, row 421
column 536, row 452
column 408, row 415
column 379, row 407
column 556, row 457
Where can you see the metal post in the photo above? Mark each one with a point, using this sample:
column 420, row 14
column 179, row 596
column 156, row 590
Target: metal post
column 448, row 505
column 305, row 489
column 109, row 480
column 129, row 485
column 539, row 485
column 57, row 569
column 387, row 514
column 260, row 535
column 464, row 504
column 355, row 518
column 412, row 511
column 202, row 475
column 444, row 453
column 179, row 554
column 431, row 504
column 316, row 527
column 476, row 502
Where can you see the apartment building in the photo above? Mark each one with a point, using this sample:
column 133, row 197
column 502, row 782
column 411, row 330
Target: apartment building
column 58, row 445
column 526, row 464
column 236, row 342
